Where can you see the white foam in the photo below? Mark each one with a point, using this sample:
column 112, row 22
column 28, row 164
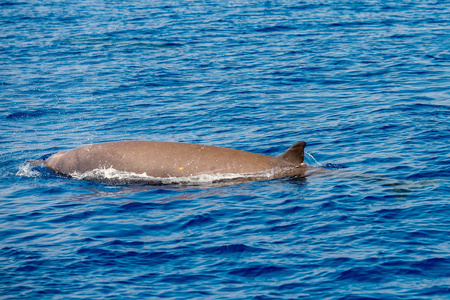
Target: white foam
column 115, row 176
column 28, row 168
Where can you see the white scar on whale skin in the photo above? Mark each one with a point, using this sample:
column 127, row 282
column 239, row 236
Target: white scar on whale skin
column 174, row 162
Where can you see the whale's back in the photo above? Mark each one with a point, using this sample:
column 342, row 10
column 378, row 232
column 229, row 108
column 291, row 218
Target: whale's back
column 169, row 159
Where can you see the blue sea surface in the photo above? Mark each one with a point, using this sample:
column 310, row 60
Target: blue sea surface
column 365, row 83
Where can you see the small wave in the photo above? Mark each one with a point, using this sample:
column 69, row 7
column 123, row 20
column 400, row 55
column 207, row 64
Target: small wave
column 30, row 168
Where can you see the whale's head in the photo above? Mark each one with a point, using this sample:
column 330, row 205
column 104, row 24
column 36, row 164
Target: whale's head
column 56, row 162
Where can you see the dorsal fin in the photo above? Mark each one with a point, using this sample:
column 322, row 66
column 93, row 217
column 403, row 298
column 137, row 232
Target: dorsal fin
column 295, row 154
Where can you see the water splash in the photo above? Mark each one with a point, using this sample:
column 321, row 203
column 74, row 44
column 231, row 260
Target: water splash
column 317, row 164
column 30, row 168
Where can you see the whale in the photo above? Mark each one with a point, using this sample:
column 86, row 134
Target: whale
column 158, row 159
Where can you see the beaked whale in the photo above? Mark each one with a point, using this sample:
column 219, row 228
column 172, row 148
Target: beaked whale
column 176, row 160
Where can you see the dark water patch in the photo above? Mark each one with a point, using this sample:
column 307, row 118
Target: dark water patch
column 31, row 114
column 27, row 268
column 364, row 296
column 434, row 267
column 305, row 6
column 361, row 274
column 350, row 24
column 188, row 278
column 20, row 254
column 198, row 220
column 428, row 174
column 96, row 255
column 139, row 207
column 123, row 243
column 282, row 228
column 73, row 217
column 117, row 232
column 7, row 3
column 231, row 249
column 278, row 28
column 260, row 271
column 292, row 210
column 8, row 233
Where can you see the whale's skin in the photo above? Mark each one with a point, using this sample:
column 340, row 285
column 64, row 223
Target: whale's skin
column 173, row 159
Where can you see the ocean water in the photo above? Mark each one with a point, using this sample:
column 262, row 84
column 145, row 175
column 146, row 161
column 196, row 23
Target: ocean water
column 365, row 83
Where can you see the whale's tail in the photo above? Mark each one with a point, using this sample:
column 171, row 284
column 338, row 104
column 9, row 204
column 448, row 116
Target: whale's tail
column 295, row 154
